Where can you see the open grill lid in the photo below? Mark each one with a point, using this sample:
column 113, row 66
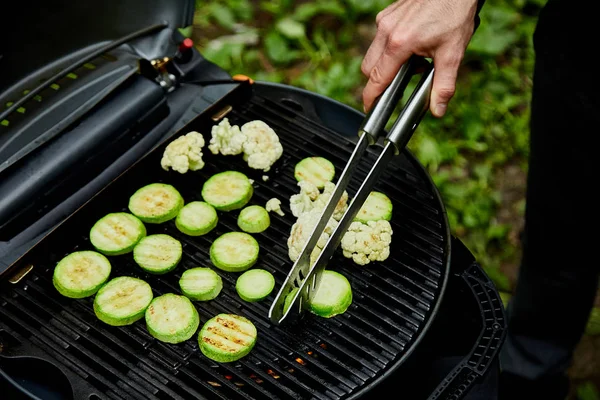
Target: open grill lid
column 46, row 85
column 394, row 301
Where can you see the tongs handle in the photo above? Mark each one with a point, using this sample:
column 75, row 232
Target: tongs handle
column 414, row 110
column 377, row 118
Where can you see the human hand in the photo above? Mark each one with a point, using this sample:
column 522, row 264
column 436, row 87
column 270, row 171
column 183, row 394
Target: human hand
column 437, row 29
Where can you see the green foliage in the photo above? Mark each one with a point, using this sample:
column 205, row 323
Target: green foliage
column 592, row 327
column 319, row 45
column 587, row 391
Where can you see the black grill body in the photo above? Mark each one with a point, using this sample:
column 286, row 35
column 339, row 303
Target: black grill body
column 426, row 323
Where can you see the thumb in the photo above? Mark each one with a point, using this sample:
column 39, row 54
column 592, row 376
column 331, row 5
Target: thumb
column 446, row 66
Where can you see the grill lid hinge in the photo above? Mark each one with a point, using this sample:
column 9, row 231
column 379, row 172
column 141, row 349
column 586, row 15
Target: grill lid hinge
column 159, row 72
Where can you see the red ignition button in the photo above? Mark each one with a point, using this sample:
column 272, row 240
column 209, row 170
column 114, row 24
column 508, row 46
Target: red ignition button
column 186, row 45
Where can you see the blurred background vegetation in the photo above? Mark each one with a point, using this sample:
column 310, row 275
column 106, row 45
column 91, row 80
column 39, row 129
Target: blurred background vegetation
column 477, row 154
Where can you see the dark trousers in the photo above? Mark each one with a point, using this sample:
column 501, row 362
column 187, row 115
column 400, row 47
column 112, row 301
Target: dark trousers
column 558, row 276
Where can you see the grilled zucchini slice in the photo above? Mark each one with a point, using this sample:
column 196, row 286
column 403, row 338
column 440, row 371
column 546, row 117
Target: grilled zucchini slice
column 333, row 296
column 81, row 273
column 227, row 191
column 255, row 285
column 122, row 301
column 200, row 284
column 234, row 252
column 377, row 207
column 172, row 318
column 254, row 219
column 316, row 170
column 196, row 218
column 158, row 254
column 117, row 233
column 156, row 203
column 227, row 337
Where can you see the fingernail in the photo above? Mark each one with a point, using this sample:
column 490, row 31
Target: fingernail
column 440, row 109
column 364, row 108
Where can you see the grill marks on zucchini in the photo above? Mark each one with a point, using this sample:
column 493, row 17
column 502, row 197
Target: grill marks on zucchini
column 201, row 284
column 227, row 191
column 172, row 318
column 227, row 337
column 81, row 274
column 378, row 206
column 122, row 301
column 156, row 203
column 316, row 170
column 254, row 219
column 117, row 233
column 158, row 254
column 196, row 218
column 234, row 252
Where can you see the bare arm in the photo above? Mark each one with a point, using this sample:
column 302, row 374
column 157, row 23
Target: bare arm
column 438, row 29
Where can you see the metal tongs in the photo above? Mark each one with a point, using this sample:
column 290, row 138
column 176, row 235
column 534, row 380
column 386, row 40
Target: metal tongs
column 303, row 280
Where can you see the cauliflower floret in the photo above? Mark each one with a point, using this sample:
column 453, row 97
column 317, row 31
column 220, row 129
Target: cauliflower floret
column 311, row 199
column 226, row 139
column 261, row 146
column 302, row 229
column 367, row 242
column 341, row 206
column 274, row 205
column 184, row 153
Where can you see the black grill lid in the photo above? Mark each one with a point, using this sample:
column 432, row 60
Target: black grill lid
column 394, row 302
column 47, row 33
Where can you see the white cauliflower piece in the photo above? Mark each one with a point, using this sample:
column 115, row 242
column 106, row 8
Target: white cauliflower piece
column 261, row 146
column 274, row 205
column 341, row 206
column 367, row 242
column 265, row 178
column 226, row 139
column 184, row 153
column 301, row 231
column 311, row 199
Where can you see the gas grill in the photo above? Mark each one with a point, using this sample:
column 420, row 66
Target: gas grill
column 426, row 323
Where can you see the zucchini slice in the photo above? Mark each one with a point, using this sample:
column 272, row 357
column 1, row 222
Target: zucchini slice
column 172, row 318
column 288, row 299
column 81, row 273
column 122, row 301
column 227, row 337
column 333, row 297
column 316, row 170
column 255, row 285
column 158, row 254
column 254, row 219
column 234, row 251
column 117, row 233
column 200, row 284
column 196, row 218
column 227, row 191
column 156, row 203
column 377, row 207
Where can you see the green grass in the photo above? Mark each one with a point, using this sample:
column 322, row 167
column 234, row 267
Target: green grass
column 319, row 46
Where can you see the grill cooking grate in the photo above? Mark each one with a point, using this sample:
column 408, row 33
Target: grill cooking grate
column 321, row 358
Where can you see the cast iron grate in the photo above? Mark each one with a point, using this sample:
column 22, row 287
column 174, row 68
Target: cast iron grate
column 320, row 358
